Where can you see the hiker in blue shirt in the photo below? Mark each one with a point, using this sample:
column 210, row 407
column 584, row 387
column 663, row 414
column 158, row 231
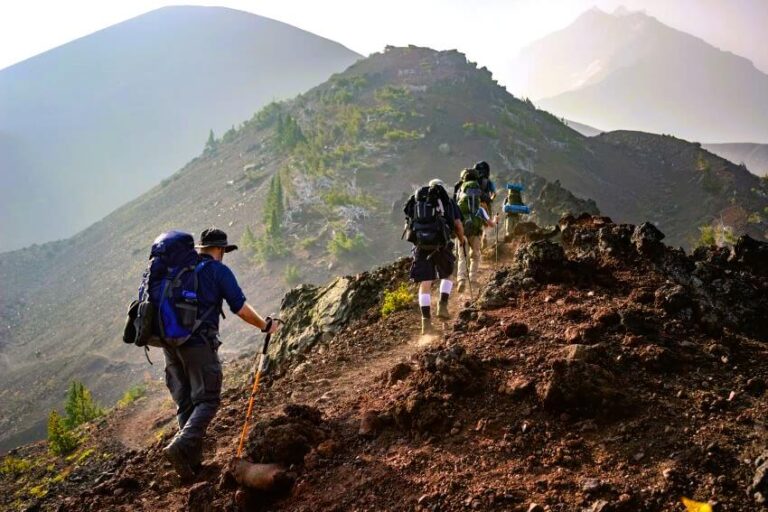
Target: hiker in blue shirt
column 193, row 370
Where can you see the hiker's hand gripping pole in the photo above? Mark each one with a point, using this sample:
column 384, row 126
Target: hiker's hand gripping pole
column 258, row 370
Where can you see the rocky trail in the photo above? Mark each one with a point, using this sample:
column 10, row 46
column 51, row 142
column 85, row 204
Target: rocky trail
column 606, row 372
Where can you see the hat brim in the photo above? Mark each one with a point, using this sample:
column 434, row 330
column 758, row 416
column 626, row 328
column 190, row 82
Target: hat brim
column 227, row 248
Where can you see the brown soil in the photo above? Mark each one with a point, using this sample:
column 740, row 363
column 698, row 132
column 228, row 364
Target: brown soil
column 591, row 383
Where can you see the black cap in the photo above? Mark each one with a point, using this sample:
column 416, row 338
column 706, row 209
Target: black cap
column 213, row 237
column 482, row 166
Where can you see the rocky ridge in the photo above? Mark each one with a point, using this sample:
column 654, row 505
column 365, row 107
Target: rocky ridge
column 606, row 373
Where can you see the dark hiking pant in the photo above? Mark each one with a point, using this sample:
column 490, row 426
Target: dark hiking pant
column 193, row 376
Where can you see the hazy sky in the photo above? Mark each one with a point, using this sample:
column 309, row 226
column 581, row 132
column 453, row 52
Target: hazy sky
column 490, row 32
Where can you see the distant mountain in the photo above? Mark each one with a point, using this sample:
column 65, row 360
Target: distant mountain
column 754, row 156
column 95, row 122
column 586, row 130
column 627, row 70
column 346, row 152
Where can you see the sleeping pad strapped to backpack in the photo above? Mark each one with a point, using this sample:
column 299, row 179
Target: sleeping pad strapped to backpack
column 166, row 312
column 426, row 212
column 470, row 199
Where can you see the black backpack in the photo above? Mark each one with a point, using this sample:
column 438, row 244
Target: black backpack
column 426, row 212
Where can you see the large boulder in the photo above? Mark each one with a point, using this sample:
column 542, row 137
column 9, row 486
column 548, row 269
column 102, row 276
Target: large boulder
column 315, row 313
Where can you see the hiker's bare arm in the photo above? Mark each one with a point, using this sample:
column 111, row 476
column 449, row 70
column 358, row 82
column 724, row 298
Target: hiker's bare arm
column 250, row 315
column 459, row 227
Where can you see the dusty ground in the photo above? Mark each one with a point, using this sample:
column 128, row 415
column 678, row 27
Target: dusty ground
column 590, row 383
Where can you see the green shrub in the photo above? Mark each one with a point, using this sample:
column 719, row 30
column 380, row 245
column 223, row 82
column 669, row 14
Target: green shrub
column 706, row 236
column 718, row 235
column 248, row 241
column 61, row 441
column 291, row 275
column 481, row 129
column 80, row 406
column 269, row 248
column 400, row 135
column 132, row 394
column 14, row 466
column 343, row 245
column 391, row 94
column 344, row 198
column 289, row 133
column 396, row 300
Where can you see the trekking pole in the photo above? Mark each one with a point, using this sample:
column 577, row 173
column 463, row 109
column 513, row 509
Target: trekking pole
column 466, row 266
column 258, row 370
column 496, row 262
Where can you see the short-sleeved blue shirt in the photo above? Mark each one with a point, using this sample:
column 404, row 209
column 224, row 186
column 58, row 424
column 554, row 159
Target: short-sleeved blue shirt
column 216, row 284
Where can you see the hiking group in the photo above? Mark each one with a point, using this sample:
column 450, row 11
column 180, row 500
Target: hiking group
column 434, row 219
column 185, row 285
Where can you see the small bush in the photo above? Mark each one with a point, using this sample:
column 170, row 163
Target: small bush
column 132, row 394
column 719, row 235
column 14, row 466
column 343, row 245
column 706, row 236
column 401, row 135
column 481, row 129
column 344, row 198
column 291, row 275
column 269, row 248
column 396, row 300
column 61, row 441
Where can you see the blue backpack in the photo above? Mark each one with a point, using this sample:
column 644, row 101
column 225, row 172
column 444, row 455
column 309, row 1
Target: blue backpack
column 166, row 312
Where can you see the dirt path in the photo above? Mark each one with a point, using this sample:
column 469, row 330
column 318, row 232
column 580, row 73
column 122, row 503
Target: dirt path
column 344, row 384
column 136, row 424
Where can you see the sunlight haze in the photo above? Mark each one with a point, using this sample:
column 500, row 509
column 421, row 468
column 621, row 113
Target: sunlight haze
column 490, row 32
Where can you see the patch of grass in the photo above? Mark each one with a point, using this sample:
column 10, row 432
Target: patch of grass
column 706, row 236
column 402, row 135
column 132, row 394
column 345, row 198
column 481, row 129
column 80, row 457
column 718, row 235
column 14, row 466
column 291, row 275
column 342, row 245
column 39, row 491
column 396, row 300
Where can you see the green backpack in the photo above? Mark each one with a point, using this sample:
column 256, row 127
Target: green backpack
column 469, row 200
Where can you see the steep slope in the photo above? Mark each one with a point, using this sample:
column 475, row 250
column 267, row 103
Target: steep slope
column 100, row 120
column 609, row 373
column 345, row 153
column 629, row 71
column 754, row 156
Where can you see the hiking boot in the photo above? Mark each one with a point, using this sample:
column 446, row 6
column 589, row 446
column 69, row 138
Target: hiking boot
column 426, row 326
column 442, row 310
column 177, row 456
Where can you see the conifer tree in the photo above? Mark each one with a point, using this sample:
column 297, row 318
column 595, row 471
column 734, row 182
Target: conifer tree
column 211, row 144
column 60, row 440
column 80, row 406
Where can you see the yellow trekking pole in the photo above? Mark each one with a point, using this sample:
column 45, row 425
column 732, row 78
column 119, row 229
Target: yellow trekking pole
column 258, row 370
